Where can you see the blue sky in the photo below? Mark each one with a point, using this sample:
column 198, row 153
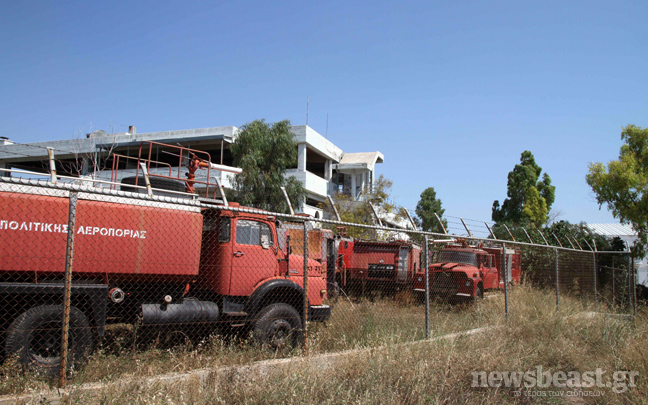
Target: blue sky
column 450, row 92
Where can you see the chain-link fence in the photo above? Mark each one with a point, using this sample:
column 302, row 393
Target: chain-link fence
column 97, row 283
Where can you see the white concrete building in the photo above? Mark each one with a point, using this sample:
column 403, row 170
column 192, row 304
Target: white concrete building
column 323, row 168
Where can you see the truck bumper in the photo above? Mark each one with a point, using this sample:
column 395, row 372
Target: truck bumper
column 436, row 293
column 319, row 313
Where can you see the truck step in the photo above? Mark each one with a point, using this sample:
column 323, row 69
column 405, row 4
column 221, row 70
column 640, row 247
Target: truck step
column 233, row 314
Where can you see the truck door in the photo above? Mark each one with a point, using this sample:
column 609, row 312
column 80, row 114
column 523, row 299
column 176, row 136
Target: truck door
column 491, row 276
column 403, row 264
column 254, row 255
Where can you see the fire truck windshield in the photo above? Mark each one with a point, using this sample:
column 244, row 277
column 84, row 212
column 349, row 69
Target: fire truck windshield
column 453, row 256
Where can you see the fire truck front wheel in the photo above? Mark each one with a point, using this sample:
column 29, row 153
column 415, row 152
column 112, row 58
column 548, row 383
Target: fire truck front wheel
column 278, row 326
column 34, row 338
column 479, row 294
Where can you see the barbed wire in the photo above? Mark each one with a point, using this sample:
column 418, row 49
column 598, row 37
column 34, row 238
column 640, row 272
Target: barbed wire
column 538, row 236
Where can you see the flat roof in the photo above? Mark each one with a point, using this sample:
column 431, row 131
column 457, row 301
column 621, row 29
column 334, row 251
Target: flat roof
column 72, row 147
column 363, row 161
column 612, row 229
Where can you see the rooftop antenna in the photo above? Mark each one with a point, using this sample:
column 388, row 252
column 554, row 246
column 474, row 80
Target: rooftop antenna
column 326, row 125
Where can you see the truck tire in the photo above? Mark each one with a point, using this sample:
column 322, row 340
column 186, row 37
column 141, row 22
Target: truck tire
column 479, row 294
column 156, row 182
column 34, row 338
column 278, row 326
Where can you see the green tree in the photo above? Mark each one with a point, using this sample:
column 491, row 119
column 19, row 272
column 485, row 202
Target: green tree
column 539, row 261
column 265, row 152
column 427, row 206
column 359, row 212
column 623, row 184
column 529, row 199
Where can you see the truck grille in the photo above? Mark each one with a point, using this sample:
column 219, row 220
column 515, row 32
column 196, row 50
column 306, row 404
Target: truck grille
column 381, row 271
column 445, row 283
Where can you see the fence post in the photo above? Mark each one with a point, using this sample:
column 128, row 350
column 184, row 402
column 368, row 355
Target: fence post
column 505, row 275
column 427, row 286
column 633, row 288
column 613, row 281
column 630, row 265
column 557, row 282
column 595, row 283
column 305, row 287
column 634, row 291
column 69, row 256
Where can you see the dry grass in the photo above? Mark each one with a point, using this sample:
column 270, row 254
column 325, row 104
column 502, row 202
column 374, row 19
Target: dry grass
column 367, row 323
column 440, row 372
column 353, row 325
column 437, row 372
column 358, row 324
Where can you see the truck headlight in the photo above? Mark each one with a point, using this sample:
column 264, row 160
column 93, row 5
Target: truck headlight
column 468, row 283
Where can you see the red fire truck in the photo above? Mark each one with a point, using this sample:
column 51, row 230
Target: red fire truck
column 388, row 266
column 154, row 261
column 462, row 272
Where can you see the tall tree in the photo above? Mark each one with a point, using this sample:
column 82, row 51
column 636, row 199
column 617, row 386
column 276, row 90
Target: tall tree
column 623, row 185
column 427, row 206
column 265, row 152
column 529, row 199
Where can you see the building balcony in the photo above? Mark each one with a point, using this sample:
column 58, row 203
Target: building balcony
column 313, row 183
